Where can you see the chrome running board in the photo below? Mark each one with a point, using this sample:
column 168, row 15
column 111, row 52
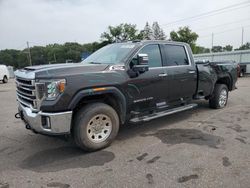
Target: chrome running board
column 163, row 113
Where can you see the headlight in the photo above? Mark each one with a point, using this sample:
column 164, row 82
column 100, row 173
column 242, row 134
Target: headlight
column 54, row 88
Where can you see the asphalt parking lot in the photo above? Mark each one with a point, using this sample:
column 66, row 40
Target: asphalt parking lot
column 197, row 148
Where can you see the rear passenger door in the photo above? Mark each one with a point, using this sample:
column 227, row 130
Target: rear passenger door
column 182, row 76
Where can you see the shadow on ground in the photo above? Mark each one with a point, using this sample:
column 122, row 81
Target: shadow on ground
column 62, row 158
column 68, row 156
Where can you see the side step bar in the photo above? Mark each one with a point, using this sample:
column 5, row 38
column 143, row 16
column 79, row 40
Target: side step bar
column 163, row 113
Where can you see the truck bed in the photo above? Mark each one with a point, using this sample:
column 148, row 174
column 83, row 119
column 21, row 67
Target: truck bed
column 210, row 72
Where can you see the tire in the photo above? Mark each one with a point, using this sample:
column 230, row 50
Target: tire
column 5, row 79
column 95, row 126
column 219, row 97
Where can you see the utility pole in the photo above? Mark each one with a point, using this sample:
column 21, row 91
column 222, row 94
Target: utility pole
column 242, row 36
column 54, row 57
column 29, row 54
column 212, row 41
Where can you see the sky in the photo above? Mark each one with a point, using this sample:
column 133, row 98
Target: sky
column 43, row 22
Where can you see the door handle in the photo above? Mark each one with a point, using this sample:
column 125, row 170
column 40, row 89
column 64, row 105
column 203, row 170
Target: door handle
column 163, row 75
column 191, row 72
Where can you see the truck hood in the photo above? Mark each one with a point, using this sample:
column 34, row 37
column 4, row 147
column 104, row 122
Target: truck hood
column 59, row 70
column 40, row 67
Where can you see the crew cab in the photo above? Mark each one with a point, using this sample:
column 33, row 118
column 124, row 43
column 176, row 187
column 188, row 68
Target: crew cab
column 122, row 82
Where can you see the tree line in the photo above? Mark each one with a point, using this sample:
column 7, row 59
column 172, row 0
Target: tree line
column 60, row 53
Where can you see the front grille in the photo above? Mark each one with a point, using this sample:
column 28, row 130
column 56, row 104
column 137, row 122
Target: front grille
column 26, row 92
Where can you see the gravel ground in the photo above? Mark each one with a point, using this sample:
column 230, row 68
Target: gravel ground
column 197, row 148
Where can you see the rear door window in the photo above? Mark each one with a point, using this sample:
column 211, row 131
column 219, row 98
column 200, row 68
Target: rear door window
column 175, row 55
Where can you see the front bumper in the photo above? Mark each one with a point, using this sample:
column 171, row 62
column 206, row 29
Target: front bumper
column 46, row 123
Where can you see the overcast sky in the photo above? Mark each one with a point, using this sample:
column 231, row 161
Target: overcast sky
column 43, row 22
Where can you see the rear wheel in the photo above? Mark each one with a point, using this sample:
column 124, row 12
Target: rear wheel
column 5, row 79
column 220, row 96
column 95, row 126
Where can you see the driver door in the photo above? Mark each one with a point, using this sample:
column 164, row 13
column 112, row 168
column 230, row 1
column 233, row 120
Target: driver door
column 147, row 92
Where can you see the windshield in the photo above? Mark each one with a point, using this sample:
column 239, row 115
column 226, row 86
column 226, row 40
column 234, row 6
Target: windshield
column 110, row 54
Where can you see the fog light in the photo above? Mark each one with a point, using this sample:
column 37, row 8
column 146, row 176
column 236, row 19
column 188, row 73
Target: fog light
column 46, row 122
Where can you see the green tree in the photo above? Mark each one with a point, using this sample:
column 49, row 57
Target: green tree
column 228, row 48
column 122, row 32
column 15, row 58
column 158, row 33
column 184, row 34
column 39, row 56
column 92, row 47
column 55, row 53
column 200, row 50
column 6, row 57
column 52, row 53
column 147, row 33
column 244, row 46
column 22, row 59
column 217, row 49
column 73, row 51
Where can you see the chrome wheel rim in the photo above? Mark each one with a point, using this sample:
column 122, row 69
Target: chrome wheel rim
column 223, row 98
column 99, row 128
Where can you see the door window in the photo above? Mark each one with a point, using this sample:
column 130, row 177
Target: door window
column 154, row 55
column 175, row 55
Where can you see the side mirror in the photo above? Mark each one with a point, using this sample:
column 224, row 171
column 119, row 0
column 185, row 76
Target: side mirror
column 141, row 65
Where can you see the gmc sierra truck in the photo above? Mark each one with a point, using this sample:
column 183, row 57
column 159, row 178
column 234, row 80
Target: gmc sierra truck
column 122, row 82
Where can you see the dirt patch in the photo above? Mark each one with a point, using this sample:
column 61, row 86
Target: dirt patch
column 237, row 128
column 241, row 140
column 4, row 185
column 4, row 149
column 141, row 157
column 189, row 136
column 210, row 128
column 153, row 160
column 58, row 184
column 150, row 178
column 187, row 178
column 226, row 162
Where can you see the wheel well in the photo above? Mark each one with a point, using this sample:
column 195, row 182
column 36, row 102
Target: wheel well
column 109, row 99
column 227, row 81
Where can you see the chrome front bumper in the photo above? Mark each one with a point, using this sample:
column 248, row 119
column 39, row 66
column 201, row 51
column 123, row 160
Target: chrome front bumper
column 46, row 123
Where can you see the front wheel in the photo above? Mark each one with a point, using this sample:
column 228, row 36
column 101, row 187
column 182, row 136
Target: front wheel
column 219, row 97
column 95, row 126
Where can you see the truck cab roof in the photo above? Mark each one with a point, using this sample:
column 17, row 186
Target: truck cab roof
column 144, row 42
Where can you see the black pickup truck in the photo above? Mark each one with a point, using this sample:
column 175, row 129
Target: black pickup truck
column 122, row 82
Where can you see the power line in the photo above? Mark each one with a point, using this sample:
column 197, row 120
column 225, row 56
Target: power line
column 211, row 13
column 220, row 25
column 224, row 31
column 21, row 46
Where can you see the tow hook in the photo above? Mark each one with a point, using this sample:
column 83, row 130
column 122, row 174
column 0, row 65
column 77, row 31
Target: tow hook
column 18, row 116
column 28, row 126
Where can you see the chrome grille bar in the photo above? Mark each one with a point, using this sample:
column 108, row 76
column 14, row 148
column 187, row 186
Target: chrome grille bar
column 24, row 84
column 26, row 92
